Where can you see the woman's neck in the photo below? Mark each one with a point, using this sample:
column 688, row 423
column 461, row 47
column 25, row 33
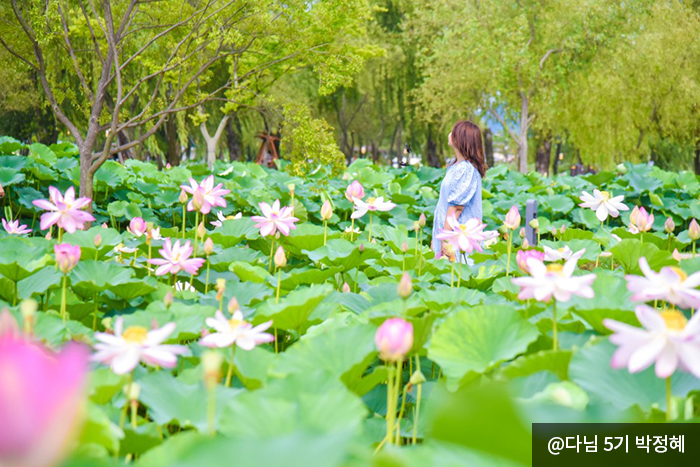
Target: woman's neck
column 458, row 156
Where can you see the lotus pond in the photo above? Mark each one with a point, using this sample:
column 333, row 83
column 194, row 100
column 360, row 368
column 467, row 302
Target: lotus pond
column 280, row 329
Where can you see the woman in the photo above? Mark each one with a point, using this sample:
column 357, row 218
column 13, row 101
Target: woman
column 460, row 191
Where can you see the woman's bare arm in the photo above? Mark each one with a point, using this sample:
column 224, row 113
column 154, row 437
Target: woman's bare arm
column 455, row 211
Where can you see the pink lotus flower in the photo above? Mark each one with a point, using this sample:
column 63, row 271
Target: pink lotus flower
column 176, row 258
column 394, row 339
column 41, row 393
column 137, row 226
column 235, row 331
column 671, row 284
column 565, row 253
column 553, row 280
column 67, row 256
column 13, row 227
column 274, row 219
column 124, row 349
column 641, row 220
column 372, row 204
column 603, row 203
column 667, row 339
column 354, row 190
column 512, row 220
column 326, row 211
column 669, row 225
column 205, row 195
column 523, row 255
column 64, row 211
column 466, row 237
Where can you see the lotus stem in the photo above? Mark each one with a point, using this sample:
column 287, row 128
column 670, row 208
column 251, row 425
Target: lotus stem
column 459, row 277
column 63, row 299
column 60, row 235
column 279, row 284
column 452, row 275
column 149, row 258
column 391, row 402
column 370, row 227
column 196, row 234
column 357, row 269
column 398, row 421
column 419, row 391
column 352, row 229
column 272, row 252
column 555, row 343
column 134, row 406
column 206, row 282
column 275, row 330
column 184, row 218
column 211, row 410
column 510, row 247
column 669, row 415
column 94, row 314
column 229, row 374
column 325, row 232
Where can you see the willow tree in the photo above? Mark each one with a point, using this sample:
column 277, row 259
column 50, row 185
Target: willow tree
column 111, row 67
column 499, row 56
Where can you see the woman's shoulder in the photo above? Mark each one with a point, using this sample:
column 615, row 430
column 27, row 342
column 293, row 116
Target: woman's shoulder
column 463, row 168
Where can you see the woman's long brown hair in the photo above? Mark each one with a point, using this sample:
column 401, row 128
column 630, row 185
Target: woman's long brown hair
column 466, row 138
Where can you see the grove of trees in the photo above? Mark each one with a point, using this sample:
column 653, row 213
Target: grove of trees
column 599, row 81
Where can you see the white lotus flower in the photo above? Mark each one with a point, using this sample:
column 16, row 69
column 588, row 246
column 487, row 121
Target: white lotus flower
column 550, row 254
column 220, row 218
column 667, row 339
column 603, row 203
column 123, row 351
column 372, row 204
column 235, row 331
column 180, row 285
column 553, row 280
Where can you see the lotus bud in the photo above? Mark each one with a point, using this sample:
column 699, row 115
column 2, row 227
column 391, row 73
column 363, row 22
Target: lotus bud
column 220, row 288
column 535, row 224
column 522, row 232
column 208, row 246
column 67, row 256
column 562, row 229
column 404, row 247
column 28, row 308
column 105, row 226
column 168, row 299
column 280, row 258
column 137, row 226
column 183, row 197
column 326, row 211
column 417, row 378
column 48, row 235
column 354, row 190
column 669, row 225
column 644, row 220
column 168, row 166
column 526, row 244
column 512, row 220
column 676, row 255
column 416, row 226
column 211, row 368
column 554, row 232
column 405, row 286
column 694, row 230
column 201, row 231
column 394, row 339
column 634, row 215
column 233, row 305
column 362, row 247
column 132, row 391
column 421, row 220
column 291, row 187
column 346, row 287
column 98, row 240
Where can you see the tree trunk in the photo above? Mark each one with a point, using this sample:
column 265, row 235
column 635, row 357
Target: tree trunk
column 522, row 140
column 234, row 138
column 431, row 149
column 543, row 156
column 173, row 155
column 399, row 146
column 697, row 158
column 213, row 141
column 488, row 147
column 86, row 179
column 555, row 166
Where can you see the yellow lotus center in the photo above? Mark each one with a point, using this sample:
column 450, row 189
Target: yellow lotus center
column 561, row 250
column 371, row 200
column 234, row 323
column 605, row 194
column 135, row 334
column 674, row 319
column 681, row 273
column 556, row 268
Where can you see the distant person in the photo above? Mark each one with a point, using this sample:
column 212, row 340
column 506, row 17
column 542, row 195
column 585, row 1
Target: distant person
column 460, row 191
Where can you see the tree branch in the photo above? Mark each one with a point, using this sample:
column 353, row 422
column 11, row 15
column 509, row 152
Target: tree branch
column 71, row 52
column 504, row 124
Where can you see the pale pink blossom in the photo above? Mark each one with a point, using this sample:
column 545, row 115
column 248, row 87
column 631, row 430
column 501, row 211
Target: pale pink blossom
column 124, row 349
column 466, row 237
column 41, row 394
column 603, row 203
column 67, row 256
column 394, row 339
column 274, row 219
column 235, row 331
column 523, row 255
column 137, row 226
column 64, row 211
column 667, row 338
column 220, row 218
column 13, row 227
column 694, row 230
column 372, row 204
column 176, row 258
column 555, row 280
column 565, row 253
column 354, row 190
column 326, row 211
column 205, row 195
column 671, row 284
column 642, row 221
